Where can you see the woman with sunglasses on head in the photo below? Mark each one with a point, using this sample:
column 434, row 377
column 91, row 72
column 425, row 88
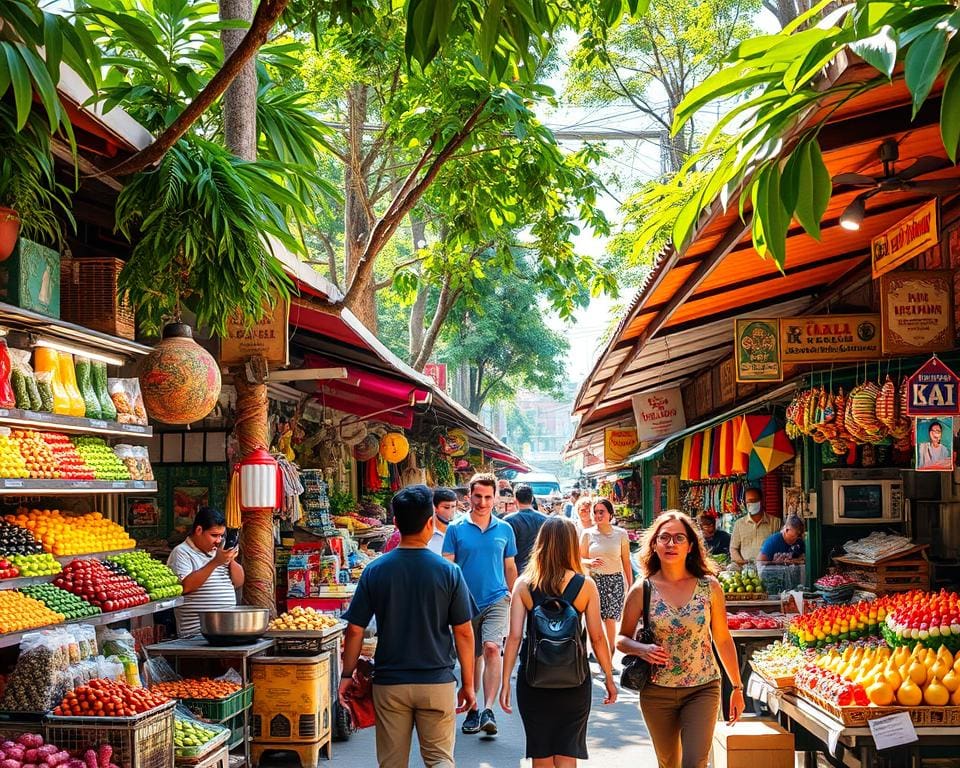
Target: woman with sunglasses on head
column 605, row 549
column 688, row 617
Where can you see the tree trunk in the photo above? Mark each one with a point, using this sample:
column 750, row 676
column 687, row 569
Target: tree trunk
column 359, row 282
column 252, row 426
column 240, row 99
column 445, row 303
column 419, row 309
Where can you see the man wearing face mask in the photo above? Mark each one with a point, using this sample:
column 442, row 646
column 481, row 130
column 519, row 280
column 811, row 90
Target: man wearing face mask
column 751, row 530
column 444, row 510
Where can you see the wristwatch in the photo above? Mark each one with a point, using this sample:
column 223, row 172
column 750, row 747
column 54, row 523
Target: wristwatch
column 737, row 687
column 349, row 676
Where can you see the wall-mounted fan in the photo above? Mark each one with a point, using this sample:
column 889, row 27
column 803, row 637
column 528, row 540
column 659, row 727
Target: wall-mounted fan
column 892, row 181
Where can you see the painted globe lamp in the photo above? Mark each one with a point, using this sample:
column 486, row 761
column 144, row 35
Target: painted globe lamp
column 179, row 379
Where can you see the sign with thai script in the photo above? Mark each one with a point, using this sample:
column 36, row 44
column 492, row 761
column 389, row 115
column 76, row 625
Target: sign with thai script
column 917, row 309
column 826, row 338
column 933, row 390
column 757, row 350
column 267, row 337
column 437, row 372
column 905, row 239
column 658, row 414
column 618, row 444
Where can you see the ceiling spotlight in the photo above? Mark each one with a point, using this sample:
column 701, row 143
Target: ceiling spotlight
column 852, row 217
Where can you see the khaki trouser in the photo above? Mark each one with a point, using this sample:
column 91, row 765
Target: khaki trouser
column 681, row 722
column 431, row 708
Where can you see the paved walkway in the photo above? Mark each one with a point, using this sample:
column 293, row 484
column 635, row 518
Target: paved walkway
column 616, row 738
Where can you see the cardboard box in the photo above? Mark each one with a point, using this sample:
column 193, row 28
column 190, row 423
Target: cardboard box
column 30, row 278
column 750, row 743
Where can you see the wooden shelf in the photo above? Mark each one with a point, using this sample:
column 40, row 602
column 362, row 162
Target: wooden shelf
column 10, row 486
column 57, row 422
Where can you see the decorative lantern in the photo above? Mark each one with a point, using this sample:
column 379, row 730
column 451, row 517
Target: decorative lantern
column 179, row 379
column 394, row 447
column 261, row 484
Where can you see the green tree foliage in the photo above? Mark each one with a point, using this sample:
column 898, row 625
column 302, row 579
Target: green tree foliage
column 765, row 153
column 503, row 342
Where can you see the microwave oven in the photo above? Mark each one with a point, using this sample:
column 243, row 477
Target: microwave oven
column 862, row 497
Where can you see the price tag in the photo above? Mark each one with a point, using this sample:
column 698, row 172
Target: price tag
column 893, row 730
column 118, row 484
column 13, row 483
column 138, row 484
column 4, row 413
column 98, row 424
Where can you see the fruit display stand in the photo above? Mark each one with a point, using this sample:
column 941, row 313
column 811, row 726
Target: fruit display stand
column 143, row 741
column 197, row 648
column 819, row 731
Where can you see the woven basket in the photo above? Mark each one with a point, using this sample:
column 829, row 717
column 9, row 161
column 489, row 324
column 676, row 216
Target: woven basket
column 88, row 296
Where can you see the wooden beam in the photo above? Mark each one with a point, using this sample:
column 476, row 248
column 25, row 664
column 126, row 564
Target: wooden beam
column 62, row 150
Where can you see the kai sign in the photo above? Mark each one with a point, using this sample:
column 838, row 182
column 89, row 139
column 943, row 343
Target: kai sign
column 932, row 390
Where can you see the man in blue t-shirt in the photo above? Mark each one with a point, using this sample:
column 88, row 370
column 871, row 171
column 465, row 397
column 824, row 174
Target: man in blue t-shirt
column 417, row 598
column 786, row 545
column 485, row 548
column 526, row 523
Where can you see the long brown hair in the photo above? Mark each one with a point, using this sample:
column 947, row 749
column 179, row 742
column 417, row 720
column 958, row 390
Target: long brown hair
column 555, row 552
column 697, row 562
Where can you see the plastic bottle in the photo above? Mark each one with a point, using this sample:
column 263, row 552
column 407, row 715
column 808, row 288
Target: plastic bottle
column 7, row 399
column 46, row 360
column 68, row 376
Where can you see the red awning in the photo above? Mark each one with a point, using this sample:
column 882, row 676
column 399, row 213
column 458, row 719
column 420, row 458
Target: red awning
column 402, row 416
column 508, row 460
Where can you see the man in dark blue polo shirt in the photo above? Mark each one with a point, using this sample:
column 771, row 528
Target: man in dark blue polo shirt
column 423, row 608
column 485, row 548
column 526, row 523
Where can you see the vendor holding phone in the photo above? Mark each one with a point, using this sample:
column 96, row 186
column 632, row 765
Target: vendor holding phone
column 207, row 568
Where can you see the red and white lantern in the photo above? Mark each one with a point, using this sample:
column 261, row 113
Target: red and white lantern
column 261, row 484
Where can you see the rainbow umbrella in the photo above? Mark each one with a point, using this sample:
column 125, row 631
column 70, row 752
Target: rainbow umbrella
column 770, row 445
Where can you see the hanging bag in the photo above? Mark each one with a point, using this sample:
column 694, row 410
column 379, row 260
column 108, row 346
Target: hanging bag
column 636, row 671
column 556, row 647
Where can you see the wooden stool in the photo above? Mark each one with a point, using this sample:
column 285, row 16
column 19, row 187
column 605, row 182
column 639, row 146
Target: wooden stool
column 309, row 753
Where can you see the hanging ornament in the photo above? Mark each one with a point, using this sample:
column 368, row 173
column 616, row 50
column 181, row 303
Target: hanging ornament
column 179, row 379
column 394, row 447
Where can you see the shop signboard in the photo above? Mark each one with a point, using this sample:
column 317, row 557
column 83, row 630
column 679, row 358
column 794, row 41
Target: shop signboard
column 437, row 372
column 757, row 349
column 618, row 444
column 267, row 337
column 917, row 309
column 728, row 381
column 658, row 414
column 933, row 390
column 829, row 338
column 905, row 239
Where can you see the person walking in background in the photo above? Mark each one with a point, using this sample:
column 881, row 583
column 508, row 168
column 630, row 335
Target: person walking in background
column 423, row 611
column 605, row 549
column 484, row 548
column 526, row 523
column 506, row 503
column 554, row 719
column 569, row 506
column 444, row 510
column 688, row 616
column 583, row 518
column 751, row 530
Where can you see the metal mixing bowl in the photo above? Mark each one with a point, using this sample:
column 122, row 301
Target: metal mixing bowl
column 234, row 626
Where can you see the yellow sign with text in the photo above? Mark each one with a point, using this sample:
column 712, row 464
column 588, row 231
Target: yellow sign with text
column 825, row 338
column 905, row 239
column 618, row 444
column 268, row 338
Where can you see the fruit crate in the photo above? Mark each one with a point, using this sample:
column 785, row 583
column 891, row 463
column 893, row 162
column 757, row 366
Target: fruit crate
column 12, row 724
column 785, row 684
column 218, row 710
column 192, row 755
column 898, row 575
column 860, row 716
column 219, row 758
column 89, row 296
column 144, row 741
column 238, row 730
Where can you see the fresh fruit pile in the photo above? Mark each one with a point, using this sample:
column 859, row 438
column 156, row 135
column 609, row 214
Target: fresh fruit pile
column 108, row 698
column 756, row 620
column 188, row 735
column 901, row 676
column 17, row 540
column 101, row 459
column 37, row 455
column 29, row 749
column 834, row 581
column 159, row 581
column 69, row 463
column 19, row 612
column 66, row 534
column 196, row 688
column 95, row 583
column 780, row 660
column 737, row 583
column 59, row 600
column 43, row 564
column 834, row 623
column 8, row 570
column 11, row 460
column 830, row 686
column 302, row 619
column 933, row 619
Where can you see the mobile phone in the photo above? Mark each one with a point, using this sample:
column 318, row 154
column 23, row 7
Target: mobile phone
column 232, row 538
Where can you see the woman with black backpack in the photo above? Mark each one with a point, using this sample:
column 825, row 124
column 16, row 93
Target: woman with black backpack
column 550, row 599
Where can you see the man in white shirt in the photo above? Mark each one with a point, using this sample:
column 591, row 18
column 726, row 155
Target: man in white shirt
column 210, row 574
column 444, row 510
column 751, row 530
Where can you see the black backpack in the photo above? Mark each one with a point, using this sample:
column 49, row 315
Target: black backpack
column 556, row 643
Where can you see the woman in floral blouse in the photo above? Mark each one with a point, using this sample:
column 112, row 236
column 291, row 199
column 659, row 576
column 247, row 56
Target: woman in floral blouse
column 681, row 702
